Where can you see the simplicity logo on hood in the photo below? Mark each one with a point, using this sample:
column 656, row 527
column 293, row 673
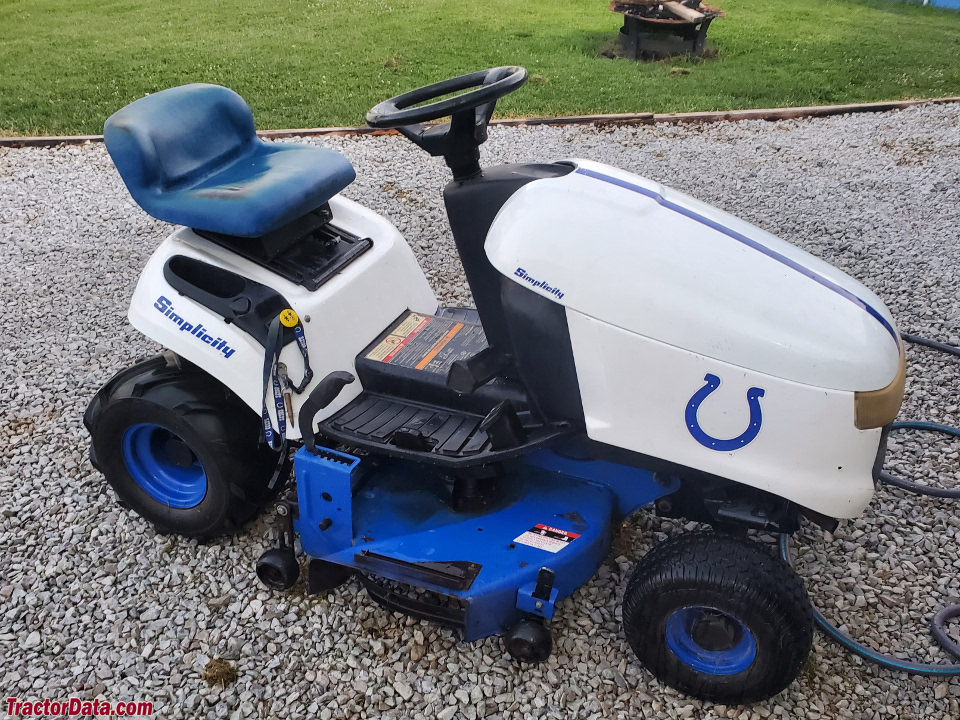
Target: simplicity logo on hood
column 522, row 274
column 198, row 331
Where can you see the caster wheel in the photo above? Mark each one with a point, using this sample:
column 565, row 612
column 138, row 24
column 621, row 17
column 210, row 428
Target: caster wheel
column 529, row 641
column 180, row 449
column 718, row 617
column 278, row 568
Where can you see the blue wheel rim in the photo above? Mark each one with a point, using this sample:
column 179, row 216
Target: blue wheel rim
column 737, row 653
column 146, row 454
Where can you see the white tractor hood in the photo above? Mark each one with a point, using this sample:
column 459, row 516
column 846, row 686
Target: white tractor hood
column 629, row 252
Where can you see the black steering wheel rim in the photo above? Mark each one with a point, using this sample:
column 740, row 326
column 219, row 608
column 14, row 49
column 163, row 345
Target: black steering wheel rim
column 490, row 85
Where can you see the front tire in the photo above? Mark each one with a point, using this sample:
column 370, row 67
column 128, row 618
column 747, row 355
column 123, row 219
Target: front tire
column 718, row 617
column 180, row 448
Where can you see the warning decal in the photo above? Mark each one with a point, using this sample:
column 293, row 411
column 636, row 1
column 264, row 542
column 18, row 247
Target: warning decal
column 403, row 333
column 424, row 342
column 547, row 538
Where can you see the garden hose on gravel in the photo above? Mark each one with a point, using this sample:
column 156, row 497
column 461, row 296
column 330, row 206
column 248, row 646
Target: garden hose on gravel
column 937, row 626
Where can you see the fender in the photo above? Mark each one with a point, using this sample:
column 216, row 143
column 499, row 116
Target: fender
column 340, row 308
column 745, row 438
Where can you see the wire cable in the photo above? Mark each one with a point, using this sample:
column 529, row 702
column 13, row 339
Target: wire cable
column 915, row 487
column 938, row 624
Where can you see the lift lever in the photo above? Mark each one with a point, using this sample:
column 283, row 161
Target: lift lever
column 322, row 395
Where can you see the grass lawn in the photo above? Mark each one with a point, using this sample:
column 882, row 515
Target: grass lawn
column 65, row 65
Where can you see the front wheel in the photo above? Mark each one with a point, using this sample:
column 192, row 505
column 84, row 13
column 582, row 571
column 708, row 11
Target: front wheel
column 180, row 448
column 718, row 617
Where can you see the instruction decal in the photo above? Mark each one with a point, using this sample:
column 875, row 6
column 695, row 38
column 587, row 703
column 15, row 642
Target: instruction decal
column 429, row 343
column 547, row 538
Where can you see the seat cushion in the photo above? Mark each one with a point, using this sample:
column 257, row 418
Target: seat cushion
column 190, row 155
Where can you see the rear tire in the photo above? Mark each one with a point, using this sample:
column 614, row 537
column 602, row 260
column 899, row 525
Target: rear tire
column 181, row 449
column 718, row 617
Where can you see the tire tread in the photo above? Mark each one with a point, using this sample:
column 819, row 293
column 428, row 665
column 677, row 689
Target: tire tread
column 720, row 563
column 231, row 430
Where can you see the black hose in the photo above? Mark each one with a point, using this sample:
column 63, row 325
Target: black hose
column 890, row 662
column 910, row 485
column 942, row 347
column 937, row 625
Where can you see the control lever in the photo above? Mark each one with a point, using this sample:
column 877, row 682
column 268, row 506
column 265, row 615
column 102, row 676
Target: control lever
column 322, row 395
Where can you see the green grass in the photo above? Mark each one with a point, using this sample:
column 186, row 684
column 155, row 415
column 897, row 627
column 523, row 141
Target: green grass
column 65, row 65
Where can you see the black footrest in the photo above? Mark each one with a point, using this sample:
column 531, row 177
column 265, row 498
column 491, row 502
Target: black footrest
column 397, row 427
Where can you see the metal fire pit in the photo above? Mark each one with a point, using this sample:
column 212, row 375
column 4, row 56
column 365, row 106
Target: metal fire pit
column 655, row 29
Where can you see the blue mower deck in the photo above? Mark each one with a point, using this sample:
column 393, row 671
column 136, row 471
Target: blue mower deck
column 395, row 521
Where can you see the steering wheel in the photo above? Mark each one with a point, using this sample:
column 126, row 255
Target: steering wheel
column 458, row 140
column 490, row 85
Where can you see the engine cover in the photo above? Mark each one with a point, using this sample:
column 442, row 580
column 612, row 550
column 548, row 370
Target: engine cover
column 702, row 340
column 636, row 255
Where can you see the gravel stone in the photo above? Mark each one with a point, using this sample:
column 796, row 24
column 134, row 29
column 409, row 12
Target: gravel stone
column 95, row 603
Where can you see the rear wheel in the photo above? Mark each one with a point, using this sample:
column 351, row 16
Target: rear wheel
column 180, row 448
column 718, row 617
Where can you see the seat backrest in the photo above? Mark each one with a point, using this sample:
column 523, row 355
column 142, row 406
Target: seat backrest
column 178, row 136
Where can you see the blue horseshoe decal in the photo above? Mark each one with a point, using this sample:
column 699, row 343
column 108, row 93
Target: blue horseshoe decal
column 745, row 438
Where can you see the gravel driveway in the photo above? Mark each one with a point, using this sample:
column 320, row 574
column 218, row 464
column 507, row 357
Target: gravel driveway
column 94, row 603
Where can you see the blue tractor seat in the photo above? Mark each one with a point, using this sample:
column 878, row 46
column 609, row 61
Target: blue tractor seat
column 190, row 156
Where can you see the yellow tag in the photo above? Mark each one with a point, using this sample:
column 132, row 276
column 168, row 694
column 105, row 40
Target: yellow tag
column 289, row 318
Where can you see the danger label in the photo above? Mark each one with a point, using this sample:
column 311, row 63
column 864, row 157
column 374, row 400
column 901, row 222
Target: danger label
column 424, row 342
column 547, row 538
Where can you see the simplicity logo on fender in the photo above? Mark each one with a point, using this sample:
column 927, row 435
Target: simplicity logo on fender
column 198, row 331
column 522, row 274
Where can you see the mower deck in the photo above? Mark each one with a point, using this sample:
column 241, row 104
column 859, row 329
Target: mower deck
column 484, row 564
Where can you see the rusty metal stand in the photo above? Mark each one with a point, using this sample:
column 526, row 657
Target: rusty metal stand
column 639, row 40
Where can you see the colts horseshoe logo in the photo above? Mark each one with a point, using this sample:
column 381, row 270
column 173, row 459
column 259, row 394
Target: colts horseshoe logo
column 745, row 438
